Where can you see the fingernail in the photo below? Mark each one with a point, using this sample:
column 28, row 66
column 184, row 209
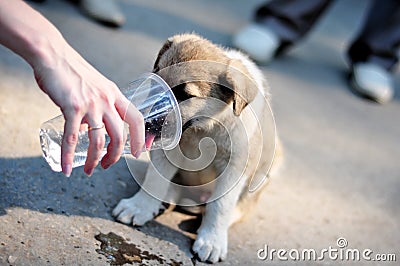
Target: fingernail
column 104, row 165
column 67, row 170
column 137, row 154
column 89, row 173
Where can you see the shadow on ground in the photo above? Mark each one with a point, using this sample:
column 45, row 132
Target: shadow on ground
column 29, row 183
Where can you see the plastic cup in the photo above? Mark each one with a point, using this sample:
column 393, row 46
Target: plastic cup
column 151, row 95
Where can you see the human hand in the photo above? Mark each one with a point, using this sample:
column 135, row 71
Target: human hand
column 87, row 97
column 83, row 94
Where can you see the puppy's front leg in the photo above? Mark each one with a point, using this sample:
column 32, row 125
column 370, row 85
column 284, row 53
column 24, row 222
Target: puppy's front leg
column 212, row 237
column 146, row 203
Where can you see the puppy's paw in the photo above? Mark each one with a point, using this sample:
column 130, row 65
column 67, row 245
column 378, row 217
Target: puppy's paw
column 137, row 210
column 211, row 245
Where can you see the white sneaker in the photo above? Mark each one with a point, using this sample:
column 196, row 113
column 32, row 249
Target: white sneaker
column 258, row 42
column 106, row 11
column 372, row 81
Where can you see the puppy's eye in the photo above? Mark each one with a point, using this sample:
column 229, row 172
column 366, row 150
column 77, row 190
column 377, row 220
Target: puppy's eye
column 180, row 93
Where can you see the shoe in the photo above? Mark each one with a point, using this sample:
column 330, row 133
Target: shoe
column 259, row 42
column 372, row 81
column 104, row 11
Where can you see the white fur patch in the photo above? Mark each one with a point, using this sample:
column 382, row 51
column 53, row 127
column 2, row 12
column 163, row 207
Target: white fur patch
column 211, row 244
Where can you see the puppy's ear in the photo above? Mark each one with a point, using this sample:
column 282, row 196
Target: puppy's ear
column 163, row 49
column 244, row 87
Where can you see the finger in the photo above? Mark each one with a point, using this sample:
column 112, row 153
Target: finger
column 114, row 126
column 96, row 145
column 135, row 120
column 70, row 139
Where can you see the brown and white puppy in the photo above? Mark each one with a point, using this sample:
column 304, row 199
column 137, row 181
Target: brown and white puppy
column 223, row 96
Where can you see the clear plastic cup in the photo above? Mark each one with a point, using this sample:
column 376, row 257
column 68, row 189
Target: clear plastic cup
column 151, row 95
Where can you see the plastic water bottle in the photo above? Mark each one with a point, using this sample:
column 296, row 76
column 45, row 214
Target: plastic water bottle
column 151, row 96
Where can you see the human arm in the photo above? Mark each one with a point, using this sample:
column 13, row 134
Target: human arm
column 83, row 94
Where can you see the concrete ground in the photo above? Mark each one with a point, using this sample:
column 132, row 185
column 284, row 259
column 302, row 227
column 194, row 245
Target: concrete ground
column 342, row 171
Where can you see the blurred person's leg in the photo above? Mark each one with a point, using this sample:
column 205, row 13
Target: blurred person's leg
column 373, row 54
column 104, row 11
column 277, row 25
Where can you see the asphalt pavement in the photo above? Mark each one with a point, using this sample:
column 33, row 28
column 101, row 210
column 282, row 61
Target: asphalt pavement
column 339, row 187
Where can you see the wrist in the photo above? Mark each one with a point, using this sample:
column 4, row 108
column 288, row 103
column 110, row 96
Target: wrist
column 30, row 35
column 43, row 51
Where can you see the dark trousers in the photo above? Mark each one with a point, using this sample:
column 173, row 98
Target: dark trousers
column 377, row 41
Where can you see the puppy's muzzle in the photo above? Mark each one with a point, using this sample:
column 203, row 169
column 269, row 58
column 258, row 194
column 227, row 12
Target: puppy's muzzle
column 187, row 125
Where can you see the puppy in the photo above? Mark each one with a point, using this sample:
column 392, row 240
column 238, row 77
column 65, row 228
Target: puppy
column 227, row 146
